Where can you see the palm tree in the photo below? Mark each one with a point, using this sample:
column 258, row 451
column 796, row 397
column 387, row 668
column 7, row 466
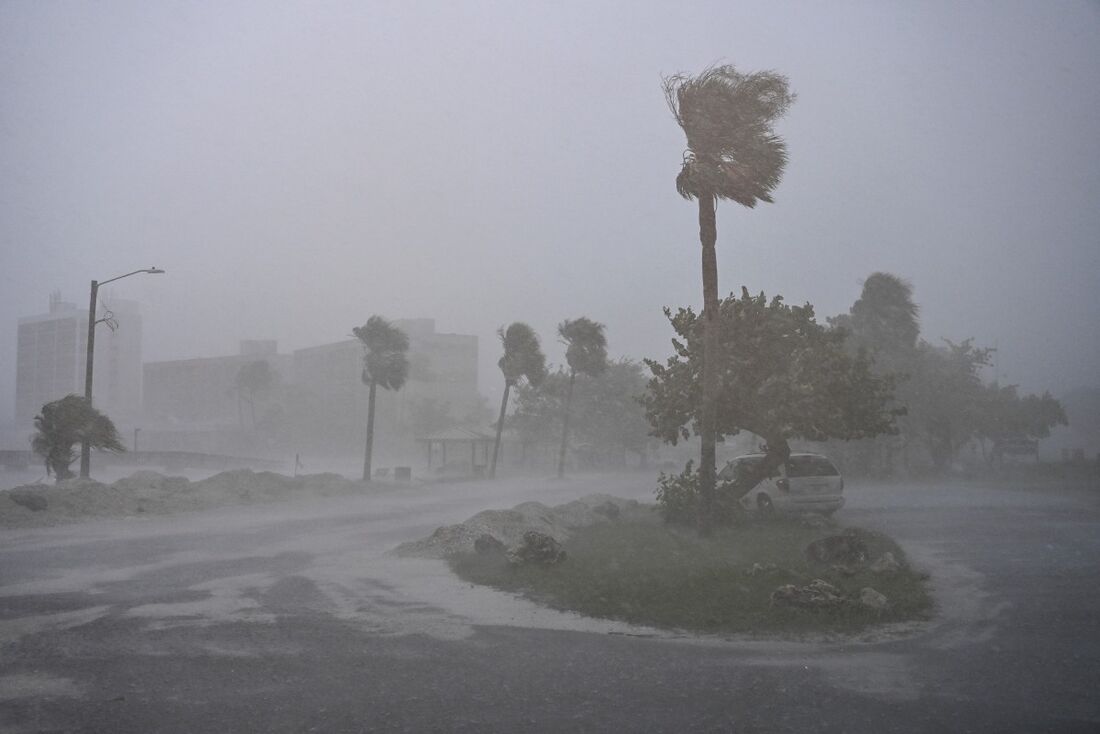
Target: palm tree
column 732, row 153
column 65, row 423
column 586, row 352
column 523, row 358
column 385, row 363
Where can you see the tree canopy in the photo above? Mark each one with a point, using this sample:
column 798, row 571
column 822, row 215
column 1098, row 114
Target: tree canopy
column 608, row 420
column 523, row 357
column 66, row 422
column 386, row 362
column 781, row 376
column 727, row 117
column 585, row 345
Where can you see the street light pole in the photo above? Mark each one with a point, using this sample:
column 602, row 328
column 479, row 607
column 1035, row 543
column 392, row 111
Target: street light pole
column 85, row 447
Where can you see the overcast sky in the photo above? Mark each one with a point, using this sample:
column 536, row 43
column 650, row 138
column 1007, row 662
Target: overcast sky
column 299, row 167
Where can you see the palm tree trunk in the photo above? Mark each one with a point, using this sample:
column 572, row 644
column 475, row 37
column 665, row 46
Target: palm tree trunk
column 565, row 425
column 708, row 234
column 500, row 429
column 370, row 432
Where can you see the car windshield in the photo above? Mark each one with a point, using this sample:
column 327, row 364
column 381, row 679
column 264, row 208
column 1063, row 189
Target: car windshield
column 810, row 466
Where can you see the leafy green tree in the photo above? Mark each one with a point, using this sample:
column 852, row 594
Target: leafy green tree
column 67, row 422
column 385, row 363
column 945, row 397
column 1006, row 416
column 781, row 376
column 732, row 153
column 254, row 378
column 585, row 352
column 522, row 358
column 606, row 414
column 884, row 321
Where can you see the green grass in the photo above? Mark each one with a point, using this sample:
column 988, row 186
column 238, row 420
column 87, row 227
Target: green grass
column 652, row 574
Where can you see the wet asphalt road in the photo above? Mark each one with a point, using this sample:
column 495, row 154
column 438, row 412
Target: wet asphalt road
column 294, row 619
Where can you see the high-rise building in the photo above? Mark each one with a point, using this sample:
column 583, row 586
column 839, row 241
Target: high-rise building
column 51, row 353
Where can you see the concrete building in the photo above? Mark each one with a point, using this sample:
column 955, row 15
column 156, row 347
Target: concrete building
column 51, row 352
column 442, row 371
column 202, row 392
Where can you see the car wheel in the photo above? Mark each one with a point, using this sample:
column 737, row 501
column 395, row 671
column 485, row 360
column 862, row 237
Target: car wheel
column 764, row 505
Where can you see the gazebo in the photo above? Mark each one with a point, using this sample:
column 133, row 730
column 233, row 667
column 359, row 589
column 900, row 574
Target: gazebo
column 459, row 443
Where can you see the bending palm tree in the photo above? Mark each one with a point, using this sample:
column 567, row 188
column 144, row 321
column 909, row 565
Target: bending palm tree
column 385, row 363
column 66, row 422
column 732, row 153
column 586, row 352
column 522, row 358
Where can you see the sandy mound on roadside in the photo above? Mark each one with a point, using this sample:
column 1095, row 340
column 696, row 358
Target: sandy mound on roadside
column 150, row 493
column 508, row 526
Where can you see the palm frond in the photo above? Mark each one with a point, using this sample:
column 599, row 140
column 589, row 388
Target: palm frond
column 728, row 117
column 586, row 345
column 385, row 361
column 523, row 355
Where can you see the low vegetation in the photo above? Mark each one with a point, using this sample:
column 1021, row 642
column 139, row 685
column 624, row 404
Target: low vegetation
column 650, row 573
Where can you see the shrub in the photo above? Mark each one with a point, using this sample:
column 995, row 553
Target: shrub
column 678, row 499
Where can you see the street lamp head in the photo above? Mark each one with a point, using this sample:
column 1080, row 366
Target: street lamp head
column 155, row 271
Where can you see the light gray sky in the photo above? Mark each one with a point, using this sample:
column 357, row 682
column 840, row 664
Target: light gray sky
column 298, row 167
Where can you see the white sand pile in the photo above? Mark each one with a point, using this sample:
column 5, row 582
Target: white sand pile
column 147, row 492
column 508, row 526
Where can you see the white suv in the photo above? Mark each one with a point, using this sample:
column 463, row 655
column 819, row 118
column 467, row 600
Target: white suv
column 805, row 483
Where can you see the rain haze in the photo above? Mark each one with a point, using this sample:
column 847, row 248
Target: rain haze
column 758, row 530
column 297, row 167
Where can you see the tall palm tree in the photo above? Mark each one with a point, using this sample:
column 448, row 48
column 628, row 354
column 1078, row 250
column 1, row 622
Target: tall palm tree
column 732, row 153
column 586, row 352
column 385, row 363
column 66, row 422
column 523, row 358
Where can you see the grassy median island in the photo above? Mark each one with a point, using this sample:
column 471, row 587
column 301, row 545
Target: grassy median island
column 653, row 574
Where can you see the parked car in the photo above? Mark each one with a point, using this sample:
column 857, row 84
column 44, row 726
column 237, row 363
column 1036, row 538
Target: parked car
column 805, row 483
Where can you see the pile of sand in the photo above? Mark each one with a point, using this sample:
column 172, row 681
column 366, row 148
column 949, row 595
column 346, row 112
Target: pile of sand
column 508, row 526
column 147, row 492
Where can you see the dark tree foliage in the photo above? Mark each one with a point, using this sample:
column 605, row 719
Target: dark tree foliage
column 732, row 153
column 607, row 418
column 64, row 423
column 884, row 319
column 385, row 363
column 945, row 397
column 1008, row 417
column 781, row 376
column 522, row 359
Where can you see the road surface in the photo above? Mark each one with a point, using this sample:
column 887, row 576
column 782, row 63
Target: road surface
column 293, row 618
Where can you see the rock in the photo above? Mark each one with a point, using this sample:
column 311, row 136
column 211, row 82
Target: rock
column 872, row 599
column 846, row 548
column 886, row 563
column 487, row 545
column 760, row 568
column 30, row 499
column 817, row 594
column 844, row 569
column 537, row 548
